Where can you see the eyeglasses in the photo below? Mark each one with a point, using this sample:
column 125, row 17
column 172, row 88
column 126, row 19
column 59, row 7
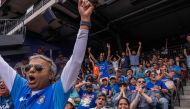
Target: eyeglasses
column 37, row 67
column 153, row 75
column 141, row 81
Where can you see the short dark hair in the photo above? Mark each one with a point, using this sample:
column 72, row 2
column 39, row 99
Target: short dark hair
column 102, row 95
column 124, row 99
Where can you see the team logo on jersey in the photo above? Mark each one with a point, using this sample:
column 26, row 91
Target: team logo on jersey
column 41, row 100
column 22, row 99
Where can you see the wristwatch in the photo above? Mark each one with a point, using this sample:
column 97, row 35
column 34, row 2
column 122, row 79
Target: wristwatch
column 85, row 23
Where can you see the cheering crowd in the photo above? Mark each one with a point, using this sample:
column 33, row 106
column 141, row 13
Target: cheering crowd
column 112, row 80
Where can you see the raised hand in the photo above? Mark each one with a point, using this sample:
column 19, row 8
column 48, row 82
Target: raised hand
column 108, row 45
column 140, row 43
column 89, row 49
column 122, row 89
column 85, row 9
column 127, row 44
column 88, row 83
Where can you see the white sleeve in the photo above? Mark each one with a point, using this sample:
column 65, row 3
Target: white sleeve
column 7, row 74
column 72, row 68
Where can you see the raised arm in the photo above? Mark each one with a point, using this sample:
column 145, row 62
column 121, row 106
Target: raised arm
column 7, row 73
column 135, row 101
column 109, row 51
column 91, row 56
column 185, row 52
column 71, row 70
column 119, row 58
column 139, row 49
column 128, row 49
column 78, row 86
column 93, row 64
column 110, row 59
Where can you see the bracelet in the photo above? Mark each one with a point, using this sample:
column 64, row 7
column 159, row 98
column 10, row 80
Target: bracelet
column 85, row 23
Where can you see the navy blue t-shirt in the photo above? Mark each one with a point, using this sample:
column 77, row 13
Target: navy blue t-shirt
column 87, row 99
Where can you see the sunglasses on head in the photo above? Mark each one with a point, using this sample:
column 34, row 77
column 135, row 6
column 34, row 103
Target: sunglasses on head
column 141, row 81
column 37, row 67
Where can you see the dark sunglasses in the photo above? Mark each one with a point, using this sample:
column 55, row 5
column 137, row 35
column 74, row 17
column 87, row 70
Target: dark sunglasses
column 37, row 67
column 89, row 87
column 141, row 81
column 153, row 75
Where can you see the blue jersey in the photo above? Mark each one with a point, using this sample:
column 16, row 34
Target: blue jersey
column 105, row 89
column 103, row 68
column 132, row 88
column 115, row 88
column 175, row 69
column 5, row 102
column 87, row 99
column 51, row 97
column 159, row 83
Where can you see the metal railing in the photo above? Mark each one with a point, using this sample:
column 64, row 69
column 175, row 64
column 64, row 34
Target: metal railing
column 7, row 25
column 33, row 13
column 171, row 52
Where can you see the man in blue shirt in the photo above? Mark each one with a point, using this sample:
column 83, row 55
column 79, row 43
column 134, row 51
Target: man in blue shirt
column 174, row 68
column 38, row 92
column 88, row 97
column 114, row 85
column 125, row 62
column 102, row 63
column 134, row 56
column 160, row 89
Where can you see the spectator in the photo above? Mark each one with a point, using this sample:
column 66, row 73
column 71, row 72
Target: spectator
column 140, row 71
column 74, row 97
column 115, row 62
column 106, row 88
column 143, row 98
column 102, row 62
column 87, row 96
column 5, row 99
column 123, row 93
column 160, row 89
column 125, row 61
column 69, row 105
column 39, row 92
column 132, row 85
column 123, row 103
column 119, row 77
column 95, row 67
column 100, row 101
column 174, row 69
column 114, row 85
column 40, row 51
column 134, row 56
column 187, row 51
column 20, row 66
column 181, row 64
column 147, row 76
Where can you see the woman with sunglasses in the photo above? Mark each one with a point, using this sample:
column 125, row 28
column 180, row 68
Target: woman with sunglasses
column 39, row 92
column 143, row 98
